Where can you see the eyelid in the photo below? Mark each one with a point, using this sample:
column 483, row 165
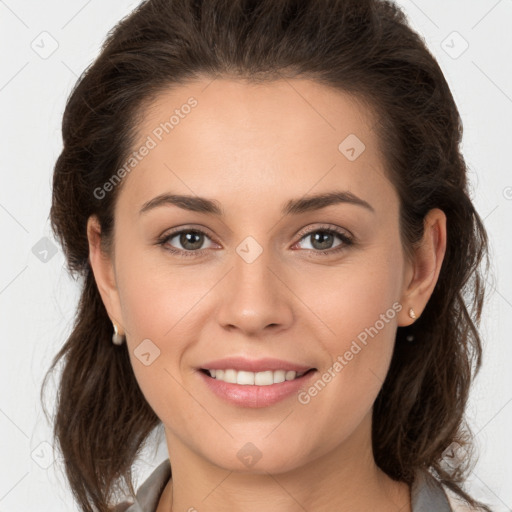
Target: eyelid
column 324, row 227
column 187, row 227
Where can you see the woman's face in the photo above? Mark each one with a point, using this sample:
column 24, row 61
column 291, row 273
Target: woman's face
column 265, row 280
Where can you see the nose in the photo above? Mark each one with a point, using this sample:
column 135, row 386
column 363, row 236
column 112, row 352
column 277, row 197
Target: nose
column 255, row 297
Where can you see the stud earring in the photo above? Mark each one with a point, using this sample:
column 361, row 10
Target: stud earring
column 412, row 314
column 117, row 339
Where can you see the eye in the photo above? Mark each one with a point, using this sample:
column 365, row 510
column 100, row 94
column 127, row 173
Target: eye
column 322, row 240
column 191, row 240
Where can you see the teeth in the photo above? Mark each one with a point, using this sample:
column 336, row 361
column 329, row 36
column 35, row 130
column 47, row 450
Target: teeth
column 266, row 378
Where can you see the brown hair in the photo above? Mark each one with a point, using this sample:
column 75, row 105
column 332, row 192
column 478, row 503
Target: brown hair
column 361, row 47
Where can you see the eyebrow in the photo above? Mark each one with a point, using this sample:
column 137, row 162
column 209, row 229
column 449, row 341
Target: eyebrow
column 292, row 207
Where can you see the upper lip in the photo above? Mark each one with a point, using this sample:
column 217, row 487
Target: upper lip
column 254, row 365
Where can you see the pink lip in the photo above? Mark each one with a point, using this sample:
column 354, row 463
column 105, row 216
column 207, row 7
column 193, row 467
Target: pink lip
column 254, row 396
column 254, row 365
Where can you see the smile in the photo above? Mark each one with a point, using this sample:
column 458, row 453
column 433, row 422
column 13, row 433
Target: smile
column 255, row 389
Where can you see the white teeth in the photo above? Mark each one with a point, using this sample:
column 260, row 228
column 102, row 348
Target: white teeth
column 290, row 375
column 229, row 376
column 265, row 378
column 245, row 378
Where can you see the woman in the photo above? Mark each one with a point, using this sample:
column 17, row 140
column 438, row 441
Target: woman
column 269, row 209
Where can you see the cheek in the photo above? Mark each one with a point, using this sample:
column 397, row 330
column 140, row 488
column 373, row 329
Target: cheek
column 157, row 298
column 356, row 312
column 158, row 304
column 160, row 324
column 352, row 300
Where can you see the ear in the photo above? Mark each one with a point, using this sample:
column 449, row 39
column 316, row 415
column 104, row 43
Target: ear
column 104, row 273
column 422, row 273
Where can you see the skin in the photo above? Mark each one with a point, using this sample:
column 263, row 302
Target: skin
column 252, row 148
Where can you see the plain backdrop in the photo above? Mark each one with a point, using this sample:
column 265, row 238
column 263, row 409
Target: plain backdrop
column 44, row 48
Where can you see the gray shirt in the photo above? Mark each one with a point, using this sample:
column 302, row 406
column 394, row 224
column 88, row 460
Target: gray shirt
column 427, row 495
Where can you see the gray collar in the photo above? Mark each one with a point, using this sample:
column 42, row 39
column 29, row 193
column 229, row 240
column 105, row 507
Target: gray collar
column 427, row 494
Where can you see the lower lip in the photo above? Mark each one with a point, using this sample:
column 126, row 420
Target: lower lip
column 255, row 396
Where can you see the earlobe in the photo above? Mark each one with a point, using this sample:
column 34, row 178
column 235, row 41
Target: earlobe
column 103, row 270
column 426, row 266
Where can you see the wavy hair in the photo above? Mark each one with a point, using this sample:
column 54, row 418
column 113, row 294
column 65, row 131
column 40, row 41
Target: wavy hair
column 361, row 47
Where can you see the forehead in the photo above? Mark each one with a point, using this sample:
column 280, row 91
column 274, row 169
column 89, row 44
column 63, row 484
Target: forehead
column 214, row 137
column 238, row 112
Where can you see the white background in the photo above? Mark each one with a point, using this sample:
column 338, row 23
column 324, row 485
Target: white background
column 38, row 299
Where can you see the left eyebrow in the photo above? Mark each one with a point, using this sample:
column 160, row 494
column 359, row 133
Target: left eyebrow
column 292, row 207
column 319, row 201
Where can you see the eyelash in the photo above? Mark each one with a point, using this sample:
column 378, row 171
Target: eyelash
column 346, row 239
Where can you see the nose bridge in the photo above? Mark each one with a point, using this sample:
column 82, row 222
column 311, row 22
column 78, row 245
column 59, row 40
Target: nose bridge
column 253, row 297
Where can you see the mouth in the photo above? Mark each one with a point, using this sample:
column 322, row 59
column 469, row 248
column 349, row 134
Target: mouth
column 246, row 378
